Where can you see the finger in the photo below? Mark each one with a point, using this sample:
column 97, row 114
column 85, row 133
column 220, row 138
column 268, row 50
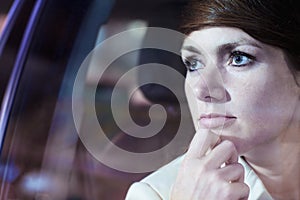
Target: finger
column 237, row 190
column 232, row 173
column 202, row 141
column 225, row 152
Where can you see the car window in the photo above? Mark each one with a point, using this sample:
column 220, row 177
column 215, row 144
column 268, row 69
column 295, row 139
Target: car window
column 80, row 97
column 13, row 19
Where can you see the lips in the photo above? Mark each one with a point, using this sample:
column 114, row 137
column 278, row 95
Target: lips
column 215, row 120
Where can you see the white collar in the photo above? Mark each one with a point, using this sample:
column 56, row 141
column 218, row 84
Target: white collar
column 162, row 180
column 257, row 188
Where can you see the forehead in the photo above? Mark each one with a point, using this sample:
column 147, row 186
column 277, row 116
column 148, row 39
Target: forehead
column 214, row 37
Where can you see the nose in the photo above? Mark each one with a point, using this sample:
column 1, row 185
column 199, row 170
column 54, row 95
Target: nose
column 208, row 86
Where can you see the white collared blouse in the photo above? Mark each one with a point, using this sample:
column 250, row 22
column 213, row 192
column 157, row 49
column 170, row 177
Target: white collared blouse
column 157, row 186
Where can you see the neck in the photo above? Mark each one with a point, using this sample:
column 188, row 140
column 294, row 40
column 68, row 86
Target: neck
column 278, row 167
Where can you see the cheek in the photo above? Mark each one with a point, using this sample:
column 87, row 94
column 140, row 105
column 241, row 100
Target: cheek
column 266, row 104
column 192, row 103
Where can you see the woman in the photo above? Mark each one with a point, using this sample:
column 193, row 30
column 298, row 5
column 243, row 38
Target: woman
column 243, row 90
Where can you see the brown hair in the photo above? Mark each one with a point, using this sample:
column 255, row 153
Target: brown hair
column 273, row 22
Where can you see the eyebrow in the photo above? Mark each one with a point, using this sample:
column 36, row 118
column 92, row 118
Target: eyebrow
column 221, row 48
column 191, row 49
column 232, row 45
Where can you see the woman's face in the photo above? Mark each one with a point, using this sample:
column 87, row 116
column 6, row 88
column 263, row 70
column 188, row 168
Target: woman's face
column 239, row 87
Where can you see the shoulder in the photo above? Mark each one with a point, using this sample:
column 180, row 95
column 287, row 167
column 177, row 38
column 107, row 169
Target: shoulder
column 156, row 186
column 140, row 190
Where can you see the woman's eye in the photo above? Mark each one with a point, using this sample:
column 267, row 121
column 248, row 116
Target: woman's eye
column 193, row 64
column 239, row 59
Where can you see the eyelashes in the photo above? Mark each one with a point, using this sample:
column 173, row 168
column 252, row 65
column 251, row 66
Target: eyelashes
column 193, row 64
column 236, row 59
column 240, row 59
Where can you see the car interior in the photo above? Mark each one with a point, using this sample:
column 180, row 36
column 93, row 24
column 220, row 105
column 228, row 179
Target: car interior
column 43, row 46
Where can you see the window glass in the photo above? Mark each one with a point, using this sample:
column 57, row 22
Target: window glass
column 45, row 155
column 5, row 6
column 14, row 16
